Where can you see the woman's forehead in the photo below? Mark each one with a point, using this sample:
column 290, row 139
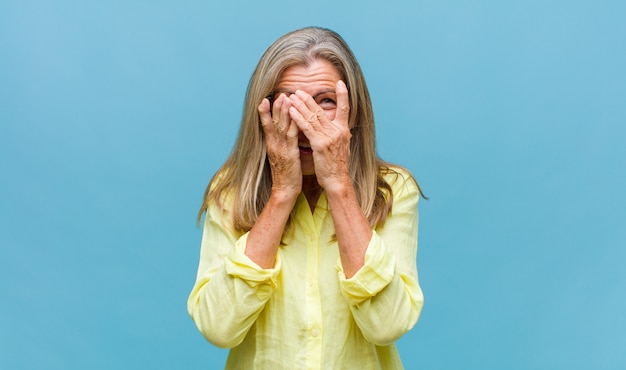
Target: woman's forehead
column 320, row 74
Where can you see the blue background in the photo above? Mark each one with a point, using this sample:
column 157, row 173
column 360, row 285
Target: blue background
column 115, row 114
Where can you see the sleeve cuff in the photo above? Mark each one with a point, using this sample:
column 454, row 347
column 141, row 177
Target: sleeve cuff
column 239, row 265
column 374, row 276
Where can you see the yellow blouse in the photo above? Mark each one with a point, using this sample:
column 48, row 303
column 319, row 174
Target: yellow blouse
column 304, row 313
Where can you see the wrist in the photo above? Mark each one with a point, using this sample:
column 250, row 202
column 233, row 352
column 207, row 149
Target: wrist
column 339, row 188
column 284, row 196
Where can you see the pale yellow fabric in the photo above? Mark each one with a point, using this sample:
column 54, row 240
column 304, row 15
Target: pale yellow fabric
column 304, row 313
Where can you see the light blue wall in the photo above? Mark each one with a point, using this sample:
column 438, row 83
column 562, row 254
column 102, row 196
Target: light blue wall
column 511, row 114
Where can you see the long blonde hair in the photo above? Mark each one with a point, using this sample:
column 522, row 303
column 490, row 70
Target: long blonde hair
column 245, row 176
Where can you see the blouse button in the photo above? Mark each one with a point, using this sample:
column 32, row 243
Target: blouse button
column 315, row 332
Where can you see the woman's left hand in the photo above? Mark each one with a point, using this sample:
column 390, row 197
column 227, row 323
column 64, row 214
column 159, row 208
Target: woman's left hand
column 329, row 136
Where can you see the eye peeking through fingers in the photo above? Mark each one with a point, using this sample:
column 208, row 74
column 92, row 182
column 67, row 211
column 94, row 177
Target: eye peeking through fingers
column 327, row 100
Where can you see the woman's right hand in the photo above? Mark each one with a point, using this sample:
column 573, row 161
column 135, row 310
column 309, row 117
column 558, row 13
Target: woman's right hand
column 281, row 138
column 281, row 141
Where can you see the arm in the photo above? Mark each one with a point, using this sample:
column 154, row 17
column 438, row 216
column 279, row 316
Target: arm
column 377, row 269
column 281, row 136
column 384, row 295
column 351, row 227
column 237, row 274
column 230, row 290
column 329, row 135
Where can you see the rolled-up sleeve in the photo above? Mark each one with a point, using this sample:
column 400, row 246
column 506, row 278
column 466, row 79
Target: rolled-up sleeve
column 230, row 289
column 374, row 276
column 384, row 294
column 240, row 266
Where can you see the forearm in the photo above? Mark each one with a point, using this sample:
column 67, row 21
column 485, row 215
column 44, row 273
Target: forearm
column 384, row 295
column 264, row 238
column 351, row 227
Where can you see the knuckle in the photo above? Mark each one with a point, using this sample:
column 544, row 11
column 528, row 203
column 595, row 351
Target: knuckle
column 266, row 125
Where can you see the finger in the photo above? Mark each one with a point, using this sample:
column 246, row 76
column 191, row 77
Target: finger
column 307, row 99
column 264, row 111
column 276, row 109
column 283, row 117
column 293, row 130
column 307, row 107
column 301, row 122
column 343, row 103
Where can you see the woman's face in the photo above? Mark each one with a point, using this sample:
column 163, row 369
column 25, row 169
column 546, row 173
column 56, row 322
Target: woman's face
column 318, row 80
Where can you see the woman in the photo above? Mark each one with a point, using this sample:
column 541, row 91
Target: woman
column 308, row 255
